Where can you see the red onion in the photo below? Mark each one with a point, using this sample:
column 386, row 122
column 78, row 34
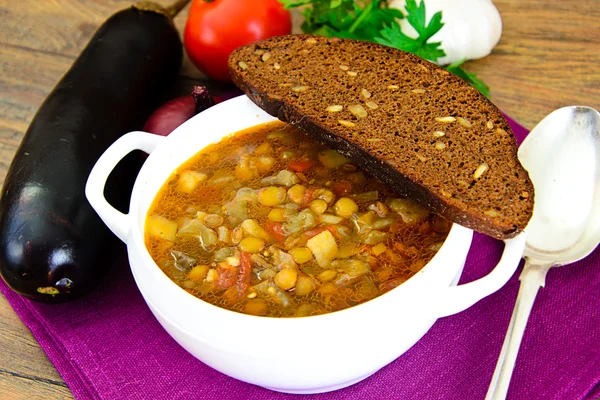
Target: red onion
column 175, row 112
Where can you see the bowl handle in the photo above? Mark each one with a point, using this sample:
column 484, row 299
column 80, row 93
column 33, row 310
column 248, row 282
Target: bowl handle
column 458, row 298
column 116, row 221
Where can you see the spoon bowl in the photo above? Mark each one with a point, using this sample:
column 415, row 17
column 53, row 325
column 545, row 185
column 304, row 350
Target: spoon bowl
column 562, row 156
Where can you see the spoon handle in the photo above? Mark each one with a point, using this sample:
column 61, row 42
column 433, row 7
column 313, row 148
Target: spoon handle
column 532, row 278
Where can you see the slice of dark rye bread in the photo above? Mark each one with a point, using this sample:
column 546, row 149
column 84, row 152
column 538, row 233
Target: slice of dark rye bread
column 417, row 127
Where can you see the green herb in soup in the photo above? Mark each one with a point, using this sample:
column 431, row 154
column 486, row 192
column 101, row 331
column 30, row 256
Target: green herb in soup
column 270, row 222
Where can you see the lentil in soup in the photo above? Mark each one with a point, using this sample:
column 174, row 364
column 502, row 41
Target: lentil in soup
column 270, row 222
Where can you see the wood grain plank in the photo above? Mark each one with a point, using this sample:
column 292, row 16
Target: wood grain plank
column 59, row 27
column 14, row 387
column 25, row 371
column 63, row 28
column 26, row 78
column 547, row 58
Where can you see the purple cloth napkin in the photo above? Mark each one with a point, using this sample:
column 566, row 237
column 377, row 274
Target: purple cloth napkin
column 109, row 346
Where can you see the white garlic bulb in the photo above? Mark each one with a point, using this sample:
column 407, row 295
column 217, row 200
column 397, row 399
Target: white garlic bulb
column 471, row 27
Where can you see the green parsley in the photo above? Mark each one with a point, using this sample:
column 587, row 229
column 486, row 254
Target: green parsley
column 391, row 35
column 374, row 21
column 345, row 18
column 457, row 69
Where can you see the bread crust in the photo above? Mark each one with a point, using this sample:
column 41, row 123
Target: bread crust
column 509, row 205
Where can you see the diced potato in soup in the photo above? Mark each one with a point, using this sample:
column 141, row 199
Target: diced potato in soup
column 189, row 180
column 269, row 222
column 161, row 227
column 323, row 247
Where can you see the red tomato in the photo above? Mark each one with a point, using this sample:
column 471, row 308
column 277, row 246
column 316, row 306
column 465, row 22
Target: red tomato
column 227, row 277
column 244, row 270
column 308, row 195
column 237, row 286
column 301, row 165
column 215, row 28
column 314, row 232
column 275, row 229
column 342, row 188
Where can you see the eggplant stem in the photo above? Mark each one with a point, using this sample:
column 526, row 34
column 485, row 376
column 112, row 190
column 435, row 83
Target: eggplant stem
column 174, row 8
column 169, row 11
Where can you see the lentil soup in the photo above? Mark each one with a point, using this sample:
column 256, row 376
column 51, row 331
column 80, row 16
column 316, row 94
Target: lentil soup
column 270, row 222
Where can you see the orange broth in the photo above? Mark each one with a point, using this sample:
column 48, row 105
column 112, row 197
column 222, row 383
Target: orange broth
column 270, row 222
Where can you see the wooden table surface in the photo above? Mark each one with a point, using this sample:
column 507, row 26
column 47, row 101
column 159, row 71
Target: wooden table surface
column 548, row 57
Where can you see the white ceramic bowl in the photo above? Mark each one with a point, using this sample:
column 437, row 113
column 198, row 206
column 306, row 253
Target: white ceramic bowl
column 326, row 352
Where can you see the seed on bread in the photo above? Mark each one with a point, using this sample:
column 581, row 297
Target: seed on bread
column 366, row 94
column 439, row 134
column 418, row 91
column 352, row 73
column 421, row 157
column 393, row 87
column 440, row 146
column 464, row 122
column 445, row 120
column 490, row 125
column 491, row 213
column 300, row 88
column 335, row 108
column 266, row 56
column 357, row 110
column 344, row 122
column 372, row 105
column 344, row 67
column 481, row 169
column 243, row 65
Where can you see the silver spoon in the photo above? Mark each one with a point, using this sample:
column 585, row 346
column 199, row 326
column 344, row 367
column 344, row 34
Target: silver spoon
column 562, row 155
